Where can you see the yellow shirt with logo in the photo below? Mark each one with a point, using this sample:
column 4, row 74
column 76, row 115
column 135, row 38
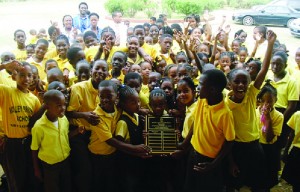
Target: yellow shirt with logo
column 212, row 126
column 21, row 55
column 17, row 107
column 103, row 131
column 52, row 142
column 245, row 120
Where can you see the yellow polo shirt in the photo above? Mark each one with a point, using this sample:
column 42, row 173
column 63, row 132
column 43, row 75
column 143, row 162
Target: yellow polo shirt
column 294, row 123
column 212, row 126
column 103, row 131
column 40, row 66
column 145, row 89
column 137, row 61
column 83, row 98
column 188, row 120
column 120, row 78
column 64, row 64
column 277, row 122
column 122, row 128
column 51, row 53
column 288, row 90
column 17, row 107
column 51, row 141
column 245, row 120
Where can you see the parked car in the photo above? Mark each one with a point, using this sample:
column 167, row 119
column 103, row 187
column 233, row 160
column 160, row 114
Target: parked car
column 267, row 15
column 295, row 28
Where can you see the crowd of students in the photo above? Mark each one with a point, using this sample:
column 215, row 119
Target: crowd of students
column 73, row 108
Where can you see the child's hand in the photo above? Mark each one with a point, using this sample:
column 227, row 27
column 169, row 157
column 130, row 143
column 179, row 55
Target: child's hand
column 204, row 167
column 178, row 133
column 143, row 111
column 141, row 150
column 271, row 36
column 91, row 117
column 145, row 134
column 40, row 86
column 66, row 76
column 148, row 58
column 186, row 26
column 11, row 66
column 227, row 29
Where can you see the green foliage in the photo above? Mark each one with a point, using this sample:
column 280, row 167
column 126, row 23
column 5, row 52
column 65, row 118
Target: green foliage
column 114, row 5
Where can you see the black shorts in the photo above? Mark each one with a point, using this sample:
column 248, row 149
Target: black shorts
column 291, row 170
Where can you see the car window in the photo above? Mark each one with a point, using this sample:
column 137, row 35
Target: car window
column 282, row 10
column 270, row 9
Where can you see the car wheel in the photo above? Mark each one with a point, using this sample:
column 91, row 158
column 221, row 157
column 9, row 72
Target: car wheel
column 248, row 20
column 289, row 22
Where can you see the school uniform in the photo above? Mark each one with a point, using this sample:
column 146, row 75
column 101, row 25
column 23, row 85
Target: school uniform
column 213, row 126
column 40, row 66
column 103, row 155
column 271, row 150
column 189, row 119
column 52, row 142
column 288, row 90
column 291, row 170
column 131, row 130
column 83, row 98
column 247, row 151
column 17, row 107
column 21, row 55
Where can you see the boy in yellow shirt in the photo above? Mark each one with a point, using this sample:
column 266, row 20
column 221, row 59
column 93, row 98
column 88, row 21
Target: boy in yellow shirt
column 18, row 105
column 50, row 144
column 212, row 135
column 20, row 52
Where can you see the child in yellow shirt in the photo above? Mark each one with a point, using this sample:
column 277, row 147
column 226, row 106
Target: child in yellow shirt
column 103, row 145
column 291, row 170
column 270, row 125
column 18, row 105
column 50, row 144
column 20, row 52
column 248, row 157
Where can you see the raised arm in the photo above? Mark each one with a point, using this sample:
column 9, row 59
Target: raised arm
column 271, row 37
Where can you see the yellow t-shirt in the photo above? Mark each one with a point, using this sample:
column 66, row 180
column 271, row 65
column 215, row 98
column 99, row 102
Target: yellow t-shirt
column 83, row 98
column 51, row 141
column 294, row 123
column 122, row 128
column 288, row 90
column 17, row 107
column 245, row 120
column 212, row 126
column 21, row 55
column 103, row 132
column 144, row 98
column 63, row 64
column 5, row 79
column 40, row 66
column 51, row 53
column 188, row 120
column 277, row 122
column 145, row 89
column 90, row 53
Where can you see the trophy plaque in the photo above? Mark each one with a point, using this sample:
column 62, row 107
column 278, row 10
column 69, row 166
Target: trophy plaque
column 161, row 137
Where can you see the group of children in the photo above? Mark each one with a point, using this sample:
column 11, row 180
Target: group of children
column 73, row 116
